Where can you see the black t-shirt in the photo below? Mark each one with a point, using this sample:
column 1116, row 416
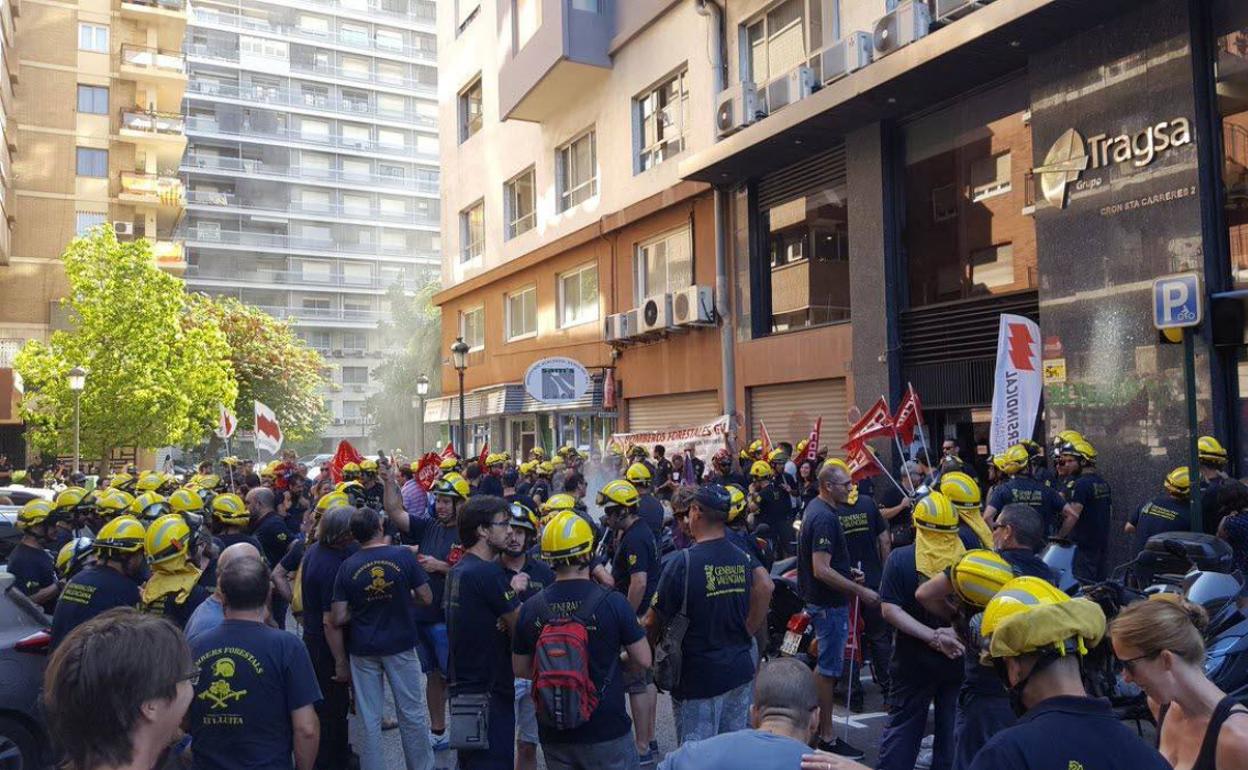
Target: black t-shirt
column 274, row 538
column 294, row 515
column 862, row 525
column 821, row 533
column 651, row 512
column 91, row 592
column 540, row 576
column 901, row 526
column 478, row 593
column 1162, row 514
column 717, row 647
column 375, row 495
column 436, row 541
column 775, row 509
column 747, row 543
column 1044, row 499
column 251, row 678
column 1068, row 732
column 230, row 538
column 635, row 554
column 377, row 584
column 33, row 570
column 320, row 570
column 179, row 612
column 912, row 657
column 1092, row 530
column 490, row 485
column 612, row 626
column 290, row 562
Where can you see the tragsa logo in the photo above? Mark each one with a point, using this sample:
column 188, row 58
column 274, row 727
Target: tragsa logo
column 1065, row 161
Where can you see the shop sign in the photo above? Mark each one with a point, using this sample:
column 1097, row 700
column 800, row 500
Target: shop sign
column 1071, row 154
column 556, row 381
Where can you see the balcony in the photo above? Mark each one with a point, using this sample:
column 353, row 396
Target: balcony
column 568, row 52
column 161, row 71
column 210, row 126
column 273, row 97
column 160, row 133
column 209, row 237
column 306, row 174
column 210, row 18
column 324, row 71
column 310, row 209
column 167, row 17
column 170, row 256
column 296, row 279
column 304, row 316
column 152, row 189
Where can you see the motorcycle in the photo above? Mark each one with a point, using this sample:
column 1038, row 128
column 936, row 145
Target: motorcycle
column 790, row 630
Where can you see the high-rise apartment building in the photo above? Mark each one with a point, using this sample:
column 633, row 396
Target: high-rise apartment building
column 96, row 136
column 312, row 172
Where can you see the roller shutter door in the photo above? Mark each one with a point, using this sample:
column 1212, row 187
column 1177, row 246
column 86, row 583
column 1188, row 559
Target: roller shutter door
column 678, row 410
column 790, row 411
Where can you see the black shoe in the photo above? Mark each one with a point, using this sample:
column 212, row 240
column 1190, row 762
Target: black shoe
column 842, row 749
column 855, row 704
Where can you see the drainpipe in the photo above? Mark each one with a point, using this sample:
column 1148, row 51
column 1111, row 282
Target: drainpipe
column 727, row 344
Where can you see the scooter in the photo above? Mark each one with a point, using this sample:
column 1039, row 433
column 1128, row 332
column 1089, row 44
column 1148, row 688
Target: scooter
column 790, row 630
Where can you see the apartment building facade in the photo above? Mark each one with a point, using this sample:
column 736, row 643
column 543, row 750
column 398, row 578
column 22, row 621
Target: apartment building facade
column 312, row 172
column 94, row 134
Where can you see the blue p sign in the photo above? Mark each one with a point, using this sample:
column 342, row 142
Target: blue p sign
column 1177, row 302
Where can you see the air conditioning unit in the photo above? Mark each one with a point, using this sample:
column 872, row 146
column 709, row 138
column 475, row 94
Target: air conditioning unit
column 790, row 88
column 124, row 228
column 616, row 327
column 693, row 305
column 951, row 10
column 336, row 353
column 909, row 22
column 632, row 322
column 656, row 314
column 738, row 107
column 849, row 54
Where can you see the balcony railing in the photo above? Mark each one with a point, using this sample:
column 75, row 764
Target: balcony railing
column 163, row 5
column 230, row 200
column 292, row 31
column 269, row 96
column 169, row 254
column 153, row 188
column 213, row 53
column 193, row 162
column 298, row 278
column 321, row 314
column 156, row 123
column 207, row 236
column 209, row 125
column 168, row 62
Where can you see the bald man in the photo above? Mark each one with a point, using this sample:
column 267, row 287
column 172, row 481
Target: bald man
column 270, row 529
column 211, row 612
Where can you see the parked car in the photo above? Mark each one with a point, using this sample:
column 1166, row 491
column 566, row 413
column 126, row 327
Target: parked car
column 25, row 641
column 21, row 495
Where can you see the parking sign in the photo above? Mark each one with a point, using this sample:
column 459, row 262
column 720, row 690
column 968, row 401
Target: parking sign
column 1177, row 302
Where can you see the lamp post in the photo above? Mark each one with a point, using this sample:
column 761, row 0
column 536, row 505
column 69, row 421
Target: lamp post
column 422, row 390
column 459, row 359
column 77, row 381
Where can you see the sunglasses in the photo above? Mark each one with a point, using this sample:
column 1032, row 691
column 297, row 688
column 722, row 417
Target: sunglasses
column 1129, row 663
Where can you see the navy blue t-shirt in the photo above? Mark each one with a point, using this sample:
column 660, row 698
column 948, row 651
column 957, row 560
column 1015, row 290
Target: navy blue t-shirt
column 478, row 593
column 436, row 541
column 912, row 656
column 717, row 646
column 251, row 678
column 612, row 627
column 635, row 554
column 821, row 533
column 747, row 543
column 1068, row 732
column 91, row 592
column 775, row 509
column 290, row 562
column 377, row 584
column 490, row 485
column 1162, row 514
column 540, row 576
column 169, row 607
column 274, row 538
column 862, row 525
column 1022, row 489
column 320, row 570
column 1092, row 530
column 651, row 512
column 33, row 570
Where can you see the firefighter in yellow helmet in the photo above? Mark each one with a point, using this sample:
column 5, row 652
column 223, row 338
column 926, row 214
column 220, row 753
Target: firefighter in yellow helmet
column 174, row 588
column 1212, row 457
column 113, row 581
column 491, row 482
column 772, row 504
column 1021, row 487
column 30, row 562
column 1167, row 512
column 73, row 509
column 1086, row 517
column 648, row 506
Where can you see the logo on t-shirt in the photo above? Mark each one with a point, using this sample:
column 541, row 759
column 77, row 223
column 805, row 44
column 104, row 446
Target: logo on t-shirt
column 632, row 559
column 379, row 587
column 219, row 693
column 724, row 579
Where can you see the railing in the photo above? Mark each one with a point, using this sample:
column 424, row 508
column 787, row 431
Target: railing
column 163, row 5
column 250, row 23
column 167, row 190
column 153, row 58
column 208, row 236
column 193, row 162
column 230, row 200
column 159, row 123
column 169, row 253
column 232, row 57
column 321, row 314
column 210, row 125
column 298, row 278
column 266, row 95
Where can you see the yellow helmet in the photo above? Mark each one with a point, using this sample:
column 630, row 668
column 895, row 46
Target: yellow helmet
column 369, row 466
column 206, row 482
column 567, row 537
column 777, row 455
column 121, row 480
column 230, row 510
column 558, row 503
column 149, row 506
column 331, row 500
column 1178, row 482
column 269, row 471
column 119, row 537
column 736, row 505
column 34, row 513
column 447, row 464
column 73, row 557
column 186, row 500
column 761, row 470
column 113, row 502
column 149, row 481
column 545, row 468
column 556, row 461
column 168, row 537
column 74, row 499
column 451, row 485
column 1080, row 449
column 1019, row 595
column 1013, row 460
column 618, row 493
column 961, row 489
column 978, row 575
column 1210, row 450
column 354, row 491
column 756, row 447
column 1029, row 615
column 638, row 473
column 1066, row 437
column 351, row 471
column 494, row 458
column 935, row 513
column 522, row 516
column 231, row 461
column 526, row 468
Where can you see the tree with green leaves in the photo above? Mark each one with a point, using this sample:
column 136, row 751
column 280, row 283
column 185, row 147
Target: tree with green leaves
column 415, row 327
column 157, row 364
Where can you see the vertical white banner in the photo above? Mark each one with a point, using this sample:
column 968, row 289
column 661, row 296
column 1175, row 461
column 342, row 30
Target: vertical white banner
column 1019, row 382
column 268, row 432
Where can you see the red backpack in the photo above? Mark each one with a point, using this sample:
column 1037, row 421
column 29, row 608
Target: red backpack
column 563, row 692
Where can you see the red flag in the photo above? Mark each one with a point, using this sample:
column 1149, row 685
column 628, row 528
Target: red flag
column 853, row 644
column 876, row 422
column 449, row 452
column 226, row 422
column 812, row 444
column 762, row 429
column 345, row 454
column 862, row 463
column 427, row 470
column 909, row 415
column 485, row 452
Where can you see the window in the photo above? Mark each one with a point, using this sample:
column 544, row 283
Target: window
column 92, row 37
column 317, row 130
column 775, row 43
column 354, row 341
column 316, row 25
column 518, row 199
column 92, row 162
column 354, row 375
column 664, row 264
column 470, row 110
column 577, row 163
column 391, row 137
column 661, row 117
column 528, row 19
column 578, row 296
column 317, row 339
column 465, row 12
column 389, row 39
column 357, row 205
column 585, row 5
column 93, row 99
column 85, row 220
column 355, row 135
column 353, row 34
column 472, row 327
column 317, row 272
column 472, row 231
column 990, row 176
column 353, row 410
column 522, row 314
column 992, row 267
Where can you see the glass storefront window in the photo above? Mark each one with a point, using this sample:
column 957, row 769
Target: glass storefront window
column 967, row 232
column 808, row 258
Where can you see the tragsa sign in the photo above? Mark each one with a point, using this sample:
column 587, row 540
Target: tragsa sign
column 556, row 380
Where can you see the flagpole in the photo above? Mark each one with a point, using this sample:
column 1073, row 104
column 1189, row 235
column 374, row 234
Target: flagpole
column 902, row 452
column 923, row 427
column 849, row 682
column 876, row 460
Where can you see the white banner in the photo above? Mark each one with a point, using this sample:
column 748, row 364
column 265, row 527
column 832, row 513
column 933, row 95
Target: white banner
column 707, row 439
column 226, row 422
column 268, row 432
column 1018, row 384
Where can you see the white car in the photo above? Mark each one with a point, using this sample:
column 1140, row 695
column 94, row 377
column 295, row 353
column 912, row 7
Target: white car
column 20, row 495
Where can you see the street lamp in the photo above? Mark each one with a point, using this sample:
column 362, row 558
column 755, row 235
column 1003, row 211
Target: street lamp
column 77, row 381
column 422, row 390
column 459, row 359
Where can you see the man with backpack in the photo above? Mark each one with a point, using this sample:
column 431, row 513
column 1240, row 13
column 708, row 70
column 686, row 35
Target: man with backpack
column 568, row 640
